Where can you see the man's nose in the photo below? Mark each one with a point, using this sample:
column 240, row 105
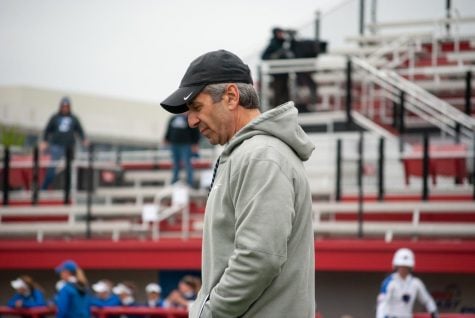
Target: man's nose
column 193, row 120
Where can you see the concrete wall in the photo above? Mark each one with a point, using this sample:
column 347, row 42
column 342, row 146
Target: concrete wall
column 103, row 119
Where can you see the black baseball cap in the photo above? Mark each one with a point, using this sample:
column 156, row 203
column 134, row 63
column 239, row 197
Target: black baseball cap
column 210, row 68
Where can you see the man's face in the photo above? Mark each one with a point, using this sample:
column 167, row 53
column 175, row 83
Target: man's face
column 65, row 109
column 215, row 121
column 153, row 296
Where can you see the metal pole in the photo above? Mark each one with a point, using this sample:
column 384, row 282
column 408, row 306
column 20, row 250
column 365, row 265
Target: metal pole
column 395, row 114
column 374, row 17
column 362, row 8
column 425, row 168
column 468, row 93
column 90, row 172
column 259, row 87
column 67, row 175
column 349, row 88
column 338, row 170
column 457, row 133
column 401, row 113
column 448, row 8
column 360, row 186
column 118, row 162
column 35, row 176
column 473, row 165
column 381, row 170
column 6, row 175
column 317, row 26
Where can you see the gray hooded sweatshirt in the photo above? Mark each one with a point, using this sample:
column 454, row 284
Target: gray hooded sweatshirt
column 258, row 244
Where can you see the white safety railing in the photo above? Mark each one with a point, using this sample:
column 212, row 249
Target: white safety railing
column 419, row 101
column 326, row 220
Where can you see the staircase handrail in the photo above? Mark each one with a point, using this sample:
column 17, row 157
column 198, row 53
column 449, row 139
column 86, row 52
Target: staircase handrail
column 392, row 48
column 422, row 102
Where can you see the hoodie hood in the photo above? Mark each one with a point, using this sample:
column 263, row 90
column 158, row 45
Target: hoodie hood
column 280, row 122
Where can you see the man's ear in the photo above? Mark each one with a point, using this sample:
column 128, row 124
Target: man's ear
column 232, row 94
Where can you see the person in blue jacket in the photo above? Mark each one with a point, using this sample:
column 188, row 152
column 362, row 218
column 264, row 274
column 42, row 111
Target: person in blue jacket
column 28, row 293
column 72, row 298
column 103, row 295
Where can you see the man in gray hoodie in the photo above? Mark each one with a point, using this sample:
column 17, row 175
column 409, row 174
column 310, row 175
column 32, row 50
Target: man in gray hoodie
column 258, row 245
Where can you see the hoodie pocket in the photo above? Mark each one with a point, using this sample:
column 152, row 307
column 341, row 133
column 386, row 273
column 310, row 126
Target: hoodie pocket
column 202, row 307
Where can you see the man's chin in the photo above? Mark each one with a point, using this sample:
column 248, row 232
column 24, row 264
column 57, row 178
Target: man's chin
column 213, row 142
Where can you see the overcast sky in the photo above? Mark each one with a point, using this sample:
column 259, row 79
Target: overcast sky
column 139, row 49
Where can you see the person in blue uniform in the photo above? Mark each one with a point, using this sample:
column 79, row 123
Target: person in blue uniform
column 72, row 300
column 28, row 294
column 401, row 289
column 103, row 295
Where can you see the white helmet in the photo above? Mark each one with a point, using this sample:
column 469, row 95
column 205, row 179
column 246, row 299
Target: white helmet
column 404, row 257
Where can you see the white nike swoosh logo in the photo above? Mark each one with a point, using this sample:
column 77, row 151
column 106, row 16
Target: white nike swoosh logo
column 187, row 96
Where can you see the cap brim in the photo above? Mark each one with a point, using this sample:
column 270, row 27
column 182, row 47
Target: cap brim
column 176, row 102
column 100, row 287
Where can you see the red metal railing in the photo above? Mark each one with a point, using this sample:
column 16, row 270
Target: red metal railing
column 100, row 313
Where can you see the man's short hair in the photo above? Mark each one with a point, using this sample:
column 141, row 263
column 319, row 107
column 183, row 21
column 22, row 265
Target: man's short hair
column 247, row 94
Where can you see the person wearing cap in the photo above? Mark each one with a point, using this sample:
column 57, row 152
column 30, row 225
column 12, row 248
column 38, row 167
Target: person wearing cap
column 258, row 241
column 400, row 289
column 126, row 291
column 154, row 299
column 72, row 298
column 183, row 141
column 59, row 136
column 103, row 295
column 28, row 294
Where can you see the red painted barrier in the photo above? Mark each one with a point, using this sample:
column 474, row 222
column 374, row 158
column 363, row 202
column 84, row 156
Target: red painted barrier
column 448, row 165
column 445, row 315
column 31, row 313
column 155, row 312
column 140, row 311
column 100, row 313
column 331, row 255
column 21, row 177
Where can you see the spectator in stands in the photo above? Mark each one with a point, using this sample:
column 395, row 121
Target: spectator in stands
column 72, row 298
column 279, row 47
column 183, row 141
column 185, row 295
column 126, row 291
column 154, row 299
column 28, row 293
column 103, row 295
column 59, row 136
column 258, row 239
column 400, row 289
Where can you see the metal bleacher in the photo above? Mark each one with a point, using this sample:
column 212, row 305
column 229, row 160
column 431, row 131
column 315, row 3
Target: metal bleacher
column 421, row 65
